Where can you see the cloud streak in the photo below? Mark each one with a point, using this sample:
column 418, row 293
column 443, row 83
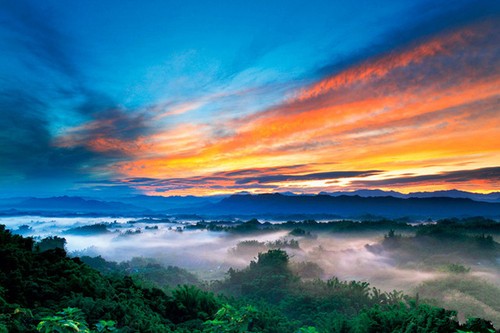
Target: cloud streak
column 484, row 175
column 263, row 179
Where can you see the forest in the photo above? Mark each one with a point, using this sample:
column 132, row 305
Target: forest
column 42, row 289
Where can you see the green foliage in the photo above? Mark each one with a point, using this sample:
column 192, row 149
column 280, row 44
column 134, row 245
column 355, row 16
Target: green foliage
column 72, row 320
column 433, row 244
column 51, row 243
column 232, row 320
column 478, row 325
column 252, row 247
column 281, row 244
column 264, row 278
column 269, row 297
column 248, row 248
column 276, row 259
column 308, row 329
column 94, row 229
column 193, row 303
column 485, row 241
column 307, row 270
column 144, row 271
column 473, row 296
column 48, row 281
column 15, row 319
column 298, row 232
column 67, row 321
column 105, row 326
column 252, row 226
column 456, row 269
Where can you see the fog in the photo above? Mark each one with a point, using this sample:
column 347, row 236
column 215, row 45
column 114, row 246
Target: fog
column 200, row 251
column 209, row 254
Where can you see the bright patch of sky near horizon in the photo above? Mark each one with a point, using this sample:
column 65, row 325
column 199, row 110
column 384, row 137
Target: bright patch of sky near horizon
column 112, row 98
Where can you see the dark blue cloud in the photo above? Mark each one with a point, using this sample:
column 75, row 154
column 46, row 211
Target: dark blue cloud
column 26, row 142
column 32, row 38
column 260, row 171
column 234, row 180
column 484, row 174
column 311, row 176
column 38, row 75
column 420, row 21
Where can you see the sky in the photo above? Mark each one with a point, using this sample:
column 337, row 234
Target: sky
column 116, row 98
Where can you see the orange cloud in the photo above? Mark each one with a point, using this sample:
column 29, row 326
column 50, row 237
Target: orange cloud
column 378, row 68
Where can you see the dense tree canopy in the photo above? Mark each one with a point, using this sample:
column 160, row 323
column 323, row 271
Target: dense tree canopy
column 42, row 288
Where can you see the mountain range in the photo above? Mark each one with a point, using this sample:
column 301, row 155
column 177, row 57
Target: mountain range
column 343, row 204
column 351, row 206
column 488, row 197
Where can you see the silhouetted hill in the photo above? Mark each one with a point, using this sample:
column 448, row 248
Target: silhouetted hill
column 489, row 197
column 349, row 206
column 367, row 193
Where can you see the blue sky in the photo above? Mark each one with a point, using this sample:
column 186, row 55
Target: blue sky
column 137, row 74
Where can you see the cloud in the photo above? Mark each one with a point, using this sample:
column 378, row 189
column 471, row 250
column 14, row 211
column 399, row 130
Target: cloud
column 25, row 141
column 261, row 179
column 34, row 41
column 34, row 48
column 172, row 109
column 42, row 92
column 437, row 49
column 490, row 175
column 260, row 171
column 422, row 21
column 112, row 132
column 312, row 176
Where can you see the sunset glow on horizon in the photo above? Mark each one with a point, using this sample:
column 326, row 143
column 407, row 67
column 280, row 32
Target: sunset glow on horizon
column 413, row 107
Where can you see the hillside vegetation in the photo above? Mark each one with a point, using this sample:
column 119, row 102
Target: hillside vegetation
column 44, row 290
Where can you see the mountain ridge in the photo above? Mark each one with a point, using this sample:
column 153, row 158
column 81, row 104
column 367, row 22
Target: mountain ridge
column 351, row 205
column 345, row 204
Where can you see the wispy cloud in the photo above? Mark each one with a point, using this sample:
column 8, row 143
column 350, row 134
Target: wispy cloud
column 111, row 131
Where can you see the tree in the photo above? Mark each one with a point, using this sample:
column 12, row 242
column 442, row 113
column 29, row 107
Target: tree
column 67, row 321
column 232, row 320
column 51, row 243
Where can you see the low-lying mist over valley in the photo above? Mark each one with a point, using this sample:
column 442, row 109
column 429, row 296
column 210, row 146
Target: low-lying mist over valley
column 454, row 263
